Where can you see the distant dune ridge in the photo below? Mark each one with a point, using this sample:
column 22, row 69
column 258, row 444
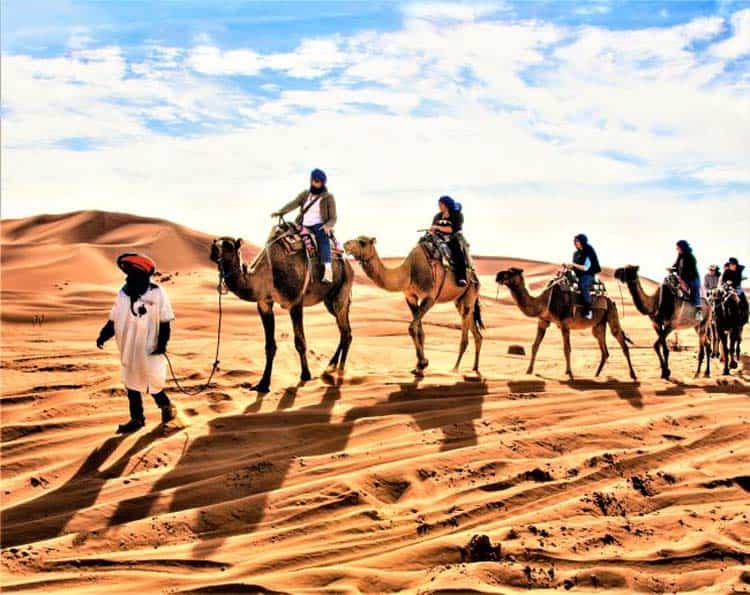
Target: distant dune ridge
column 370, row 483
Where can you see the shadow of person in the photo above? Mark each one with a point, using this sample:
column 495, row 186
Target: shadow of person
column 424, row 404
column 627, row 391
column 228, row 474
column 47, row 516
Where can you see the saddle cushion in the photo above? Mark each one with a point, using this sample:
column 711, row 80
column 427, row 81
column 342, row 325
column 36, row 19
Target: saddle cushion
column 300, row 238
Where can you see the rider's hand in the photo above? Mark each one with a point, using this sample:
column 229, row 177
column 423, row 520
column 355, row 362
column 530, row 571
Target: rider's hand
column 276, row 214
column 100, row 343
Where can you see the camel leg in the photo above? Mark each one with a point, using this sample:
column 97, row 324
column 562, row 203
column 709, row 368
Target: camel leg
column 614, row 325
column 477, row 333
column 600, row 331
column 541, row 329
column 300, row 344
column 466, row 317
column 345, row 332
column 265, row 310
column 566, row 347
column 417, row 333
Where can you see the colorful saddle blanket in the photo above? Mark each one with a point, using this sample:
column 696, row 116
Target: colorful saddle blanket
column 436, row 248
column 296, row 238
column 568, row 281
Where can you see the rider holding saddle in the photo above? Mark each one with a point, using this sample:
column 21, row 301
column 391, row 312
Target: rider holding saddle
column 686, row 268
column 585, row 265
column 448, row 223
column 317, row 214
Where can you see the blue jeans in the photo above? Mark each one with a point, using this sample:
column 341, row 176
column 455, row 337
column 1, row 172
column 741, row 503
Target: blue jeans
column 324, row 242
column 585, row 282
column 695, row 291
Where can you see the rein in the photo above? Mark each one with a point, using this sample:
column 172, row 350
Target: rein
column 221, row 289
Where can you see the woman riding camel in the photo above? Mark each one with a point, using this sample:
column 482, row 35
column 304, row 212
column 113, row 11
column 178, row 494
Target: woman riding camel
column 733, row 275
column 585, row 265
column 318, row 214
column 448, row 224
column 686, row 268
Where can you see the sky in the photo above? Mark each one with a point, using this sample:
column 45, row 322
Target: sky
column 627, row 121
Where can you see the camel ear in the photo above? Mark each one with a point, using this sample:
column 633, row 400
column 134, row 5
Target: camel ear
column 373, row 240
column 238, row 243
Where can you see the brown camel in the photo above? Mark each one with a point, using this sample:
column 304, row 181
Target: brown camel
column 293, row 281
column 668, row 314
column 424, row 283
column 554, row 305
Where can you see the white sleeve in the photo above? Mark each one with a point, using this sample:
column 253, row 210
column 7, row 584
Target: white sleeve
column 165, row 308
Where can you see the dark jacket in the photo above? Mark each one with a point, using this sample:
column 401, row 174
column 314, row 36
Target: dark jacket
column 687, row 267
column 327, row 207
column 455, row 220
column 580, row 256
column 735, row 277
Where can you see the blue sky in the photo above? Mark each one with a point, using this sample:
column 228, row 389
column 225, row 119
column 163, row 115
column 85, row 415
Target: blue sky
column 615, row 118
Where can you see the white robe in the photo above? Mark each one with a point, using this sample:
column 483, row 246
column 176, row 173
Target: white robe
column 137, row 337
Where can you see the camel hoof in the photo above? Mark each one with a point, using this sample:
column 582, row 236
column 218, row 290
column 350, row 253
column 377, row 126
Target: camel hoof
column 305, row 376
column 707, row 375
column 330, row 369
column 733, row 365
column 633, row 376
column 261, row 388
column 454, row 369
column 418, row 372
column 529, row 370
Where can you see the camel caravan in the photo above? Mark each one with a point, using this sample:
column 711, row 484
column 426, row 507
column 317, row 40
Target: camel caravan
column 302, row 264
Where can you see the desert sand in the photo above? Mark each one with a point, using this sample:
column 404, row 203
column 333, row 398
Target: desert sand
column 368, row 483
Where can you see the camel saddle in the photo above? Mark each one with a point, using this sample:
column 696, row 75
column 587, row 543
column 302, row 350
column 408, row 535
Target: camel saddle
column 295, row 238
column 437, row 250
column 568, row 281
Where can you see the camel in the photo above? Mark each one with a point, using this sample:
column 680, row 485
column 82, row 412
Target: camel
column 554, row 305
column 727, row 326
column 424, row 283
column 668, row 314
column 292, row 281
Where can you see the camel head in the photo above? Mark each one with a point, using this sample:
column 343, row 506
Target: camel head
column 361, row 248
column 510, row 277
column 226, row 250
column 627, row 274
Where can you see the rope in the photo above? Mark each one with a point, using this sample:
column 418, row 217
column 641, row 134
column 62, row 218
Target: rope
column 192, row 393
column 622, row 300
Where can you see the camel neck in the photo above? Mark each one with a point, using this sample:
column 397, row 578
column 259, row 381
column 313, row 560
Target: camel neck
column 240, row 283
column 646, row 304
column 528, row 304
column 396, row 279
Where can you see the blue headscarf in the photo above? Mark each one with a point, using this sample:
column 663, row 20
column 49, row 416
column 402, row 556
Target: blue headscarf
column 452, row 205
column 319, row 175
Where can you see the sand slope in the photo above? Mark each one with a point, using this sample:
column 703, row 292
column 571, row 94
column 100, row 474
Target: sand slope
column 369, row 483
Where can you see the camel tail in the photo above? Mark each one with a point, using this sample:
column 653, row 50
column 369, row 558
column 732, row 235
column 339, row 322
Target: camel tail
column 478, row 315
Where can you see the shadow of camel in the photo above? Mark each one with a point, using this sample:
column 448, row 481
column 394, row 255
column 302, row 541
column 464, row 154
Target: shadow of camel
column 232, row 493
column 628, row 391
column 48, row 515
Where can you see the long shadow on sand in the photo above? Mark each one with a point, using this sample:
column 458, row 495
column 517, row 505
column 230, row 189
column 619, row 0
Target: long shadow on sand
column 628, row 391
column 47, row 516
column 258, row 451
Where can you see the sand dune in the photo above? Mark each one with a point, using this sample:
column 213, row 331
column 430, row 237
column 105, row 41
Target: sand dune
column 369, row 483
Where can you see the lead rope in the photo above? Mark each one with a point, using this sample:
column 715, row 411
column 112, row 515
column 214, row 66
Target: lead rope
column 221, row 290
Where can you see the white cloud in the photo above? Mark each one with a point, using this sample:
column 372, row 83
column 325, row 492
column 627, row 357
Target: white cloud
column 452, row 11
column 211, row 60
column 739, row 43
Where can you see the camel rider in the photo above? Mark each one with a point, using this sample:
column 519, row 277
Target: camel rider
column 585, row 265
column 318, row 214
column 448, row 223
column 140, row 322
column 733, row 275
column 686, row 268
column 711, row 280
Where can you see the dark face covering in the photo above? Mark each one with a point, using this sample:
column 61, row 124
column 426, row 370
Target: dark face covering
column 316, row 191
column 136, row 284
